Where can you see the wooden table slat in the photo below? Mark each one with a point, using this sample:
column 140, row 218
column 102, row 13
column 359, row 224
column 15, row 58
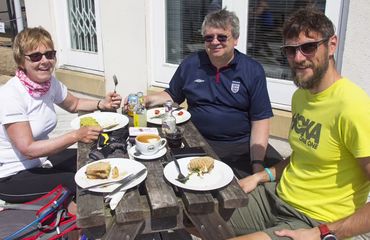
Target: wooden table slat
column 162, row 198
column 130, row 209
column 211, row 226
column 232, row 196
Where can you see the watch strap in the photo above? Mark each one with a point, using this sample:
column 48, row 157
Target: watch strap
column 324, row 230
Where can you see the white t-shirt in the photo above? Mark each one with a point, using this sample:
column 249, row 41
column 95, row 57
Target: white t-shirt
column 17, row 105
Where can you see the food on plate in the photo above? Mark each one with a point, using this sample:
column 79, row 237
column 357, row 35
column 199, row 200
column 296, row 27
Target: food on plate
column 115, row 172
column 99, row 170
column 109, row 123
column 201, row 165
column 156, row 112
column 88, row 121
column 180, row 113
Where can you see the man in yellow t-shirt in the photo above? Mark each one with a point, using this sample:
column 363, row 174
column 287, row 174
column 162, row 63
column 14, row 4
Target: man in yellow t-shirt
column 323, row 186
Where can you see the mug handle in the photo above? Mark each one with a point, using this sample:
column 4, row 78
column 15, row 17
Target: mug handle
column 163, row 143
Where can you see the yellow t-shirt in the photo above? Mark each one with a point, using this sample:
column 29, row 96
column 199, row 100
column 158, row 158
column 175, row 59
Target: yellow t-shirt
column 329, row 131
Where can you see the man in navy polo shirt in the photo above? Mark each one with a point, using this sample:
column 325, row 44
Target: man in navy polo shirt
column 226, row 95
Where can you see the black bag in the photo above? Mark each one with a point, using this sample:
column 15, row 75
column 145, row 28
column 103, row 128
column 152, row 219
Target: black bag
column 43, row 218
column 110, row 144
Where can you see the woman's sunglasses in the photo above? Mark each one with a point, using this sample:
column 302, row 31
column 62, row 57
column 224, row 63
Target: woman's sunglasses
column 37, row 56
column 307, row 49
column 220, row 38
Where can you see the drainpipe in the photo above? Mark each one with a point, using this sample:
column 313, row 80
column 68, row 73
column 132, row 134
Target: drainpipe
column 18, row 14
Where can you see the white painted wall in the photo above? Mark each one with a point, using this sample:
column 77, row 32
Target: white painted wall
column 124, row 45
column 41, row 13
column 356, row 58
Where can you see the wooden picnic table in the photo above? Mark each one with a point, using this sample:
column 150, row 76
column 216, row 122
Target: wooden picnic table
column 156, row 205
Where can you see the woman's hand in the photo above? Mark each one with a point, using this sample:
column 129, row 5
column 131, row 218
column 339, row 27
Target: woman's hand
column 112, row 101
column 88, row 134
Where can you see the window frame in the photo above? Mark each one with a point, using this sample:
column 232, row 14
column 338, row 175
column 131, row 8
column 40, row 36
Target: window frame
column 280, row 90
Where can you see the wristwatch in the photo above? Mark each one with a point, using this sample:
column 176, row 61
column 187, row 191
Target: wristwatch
column 325, row 233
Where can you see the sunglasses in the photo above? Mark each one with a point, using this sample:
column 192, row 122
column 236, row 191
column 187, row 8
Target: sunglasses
column 37, row 56
column 220, row 38
column 307, row 49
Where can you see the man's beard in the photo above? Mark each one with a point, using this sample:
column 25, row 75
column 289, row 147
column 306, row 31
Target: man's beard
column 315, row 79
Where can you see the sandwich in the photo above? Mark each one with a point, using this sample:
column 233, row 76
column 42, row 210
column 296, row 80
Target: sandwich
column 99, row 170
column 201, row 165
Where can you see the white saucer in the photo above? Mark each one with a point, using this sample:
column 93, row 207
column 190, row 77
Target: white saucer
column 160, row 153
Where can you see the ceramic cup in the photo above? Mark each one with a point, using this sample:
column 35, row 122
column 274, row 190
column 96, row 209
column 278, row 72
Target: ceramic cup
column 149, row 143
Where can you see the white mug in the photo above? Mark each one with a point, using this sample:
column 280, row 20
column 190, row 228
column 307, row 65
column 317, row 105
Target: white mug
column 149, row 143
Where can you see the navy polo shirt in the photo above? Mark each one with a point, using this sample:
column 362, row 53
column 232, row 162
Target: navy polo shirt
column 222, row 103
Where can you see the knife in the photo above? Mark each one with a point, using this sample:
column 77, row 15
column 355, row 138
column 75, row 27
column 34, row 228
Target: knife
column 123, row 182
column 128, row 179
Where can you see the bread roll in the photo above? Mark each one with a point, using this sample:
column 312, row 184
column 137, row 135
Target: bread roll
column 201, row 165
column 99, row 170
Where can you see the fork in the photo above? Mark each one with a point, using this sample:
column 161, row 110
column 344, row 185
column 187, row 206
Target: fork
column 115, row 80
column 180, row 177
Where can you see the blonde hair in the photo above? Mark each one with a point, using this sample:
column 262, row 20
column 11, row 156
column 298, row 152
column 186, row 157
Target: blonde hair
column 29, row 39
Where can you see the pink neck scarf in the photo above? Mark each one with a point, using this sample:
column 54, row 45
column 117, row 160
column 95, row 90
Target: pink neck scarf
column 34, row 89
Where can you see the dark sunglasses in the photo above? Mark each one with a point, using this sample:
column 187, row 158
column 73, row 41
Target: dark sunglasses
column 37, row 56
column 220, row 38
column 307, row 49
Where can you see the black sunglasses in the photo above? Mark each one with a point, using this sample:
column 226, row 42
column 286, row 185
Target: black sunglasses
column 220, row 38
column 307, row 49
column 37, row 56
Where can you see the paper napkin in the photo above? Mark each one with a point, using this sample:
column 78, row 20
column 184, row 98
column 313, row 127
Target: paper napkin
column 115, row 198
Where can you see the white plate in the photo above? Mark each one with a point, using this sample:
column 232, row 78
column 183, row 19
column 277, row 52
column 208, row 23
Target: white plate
column 179, row 118
column 158, row 154
column 220, row 176
column 125, row 167
column 104, row 119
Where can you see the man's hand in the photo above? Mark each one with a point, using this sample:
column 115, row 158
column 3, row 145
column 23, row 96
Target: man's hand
column 249, row 183
column 300, row 234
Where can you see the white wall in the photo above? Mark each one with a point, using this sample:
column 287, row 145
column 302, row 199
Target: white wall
column 124, row 44
column 356, row 58
column 41, row 13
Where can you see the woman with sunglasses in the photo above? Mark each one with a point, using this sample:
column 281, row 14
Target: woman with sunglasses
column 31, row 164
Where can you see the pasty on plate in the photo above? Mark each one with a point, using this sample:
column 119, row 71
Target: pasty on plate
column 201, row 165
column 99, row 170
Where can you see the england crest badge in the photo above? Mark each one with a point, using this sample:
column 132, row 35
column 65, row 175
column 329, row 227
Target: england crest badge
column 235, row 86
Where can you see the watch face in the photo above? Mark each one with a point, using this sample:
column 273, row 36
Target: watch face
column 329, row 237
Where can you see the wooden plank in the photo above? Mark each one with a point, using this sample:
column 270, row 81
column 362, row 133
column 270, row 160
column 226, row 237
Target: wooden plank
column 194, row 139
column 176, row 235
column 232, row 196
column 201, row 202
column 162, row 198
column 162, row 224
column 198, row 202
column 92, row 213
column 211, row 226
column 127, row 231
column 130, row 209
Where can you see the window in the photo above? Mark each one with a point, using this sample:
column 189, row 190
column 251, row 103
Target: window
column 183, row 23
column 176, row 33
column 265, row 21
